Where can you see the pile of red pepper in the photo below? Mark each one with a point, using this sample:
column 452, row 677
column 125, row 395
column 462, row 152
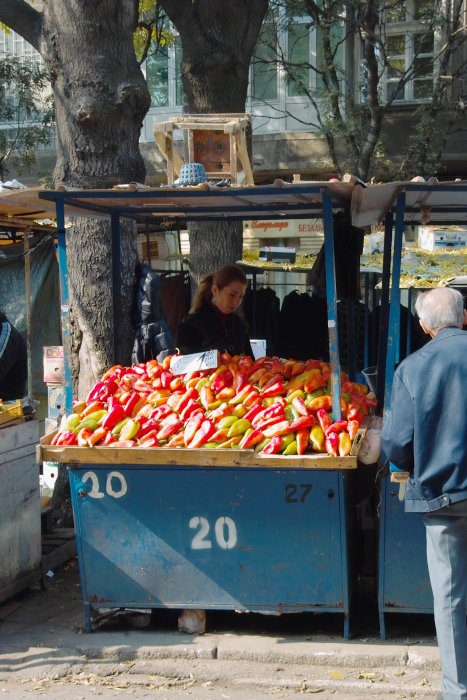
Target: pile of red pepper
column 269, row 405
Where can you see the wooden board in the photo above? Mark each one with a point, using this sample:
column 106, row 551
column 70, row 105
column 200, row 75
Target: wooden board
column 164, row 456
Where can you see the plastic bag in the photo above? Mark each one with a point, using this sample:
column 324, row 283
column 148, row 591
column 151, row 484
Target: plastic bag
column 370, row 448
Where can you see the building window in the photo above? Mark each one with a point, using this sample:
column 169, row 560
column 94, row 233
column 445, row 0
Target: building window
column 298, row 50
column 265, row 65
column 163, row 70
column 410, row 50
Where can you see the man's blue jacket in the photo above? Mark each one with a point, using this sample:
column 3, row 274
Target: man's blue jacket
column 425, row 432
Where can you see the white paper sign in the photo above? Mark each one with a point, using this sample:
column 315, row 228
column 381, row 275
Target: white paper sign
column 194, row 362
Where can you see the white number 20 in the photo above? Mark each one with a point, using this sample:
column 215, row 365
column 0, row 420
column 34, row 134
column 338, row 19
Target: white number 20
column 225, row 532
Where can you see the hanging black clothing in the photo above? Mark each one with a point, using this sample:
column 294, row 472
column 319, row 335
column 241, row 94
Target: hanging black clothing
column 13, row 362
column 262, row 309
column 303, row 327
column 203, row 330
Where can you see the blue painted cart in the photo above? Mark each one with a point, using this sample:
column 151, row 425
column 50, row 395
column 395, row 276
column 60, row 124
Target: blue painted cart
column 177, row 528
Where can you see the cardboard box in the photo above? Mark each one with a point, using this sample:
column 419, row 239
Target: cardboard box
column 56, row 400
column 54, row 364
column 442, row 238
column 277, row 254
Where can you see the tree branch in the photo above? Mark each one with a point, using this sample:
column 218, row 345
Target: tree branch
column 22, row 19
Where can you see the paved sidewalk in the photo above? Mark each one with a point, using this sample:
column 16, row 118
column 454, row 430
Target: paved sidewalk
column 41, row 636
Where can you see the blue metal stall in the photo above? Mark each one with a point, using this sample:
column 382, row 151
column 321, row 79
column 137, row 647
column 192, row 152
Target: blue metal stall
column 403, row 584
column 247, row 538
column 248, row 534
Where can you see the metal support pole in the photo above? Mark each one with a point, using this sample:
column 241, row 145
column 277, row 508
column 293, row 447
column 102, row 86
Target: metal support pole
column 394, row 308
column 366, row 362
column 27, row 282
column 116, row 286
column 64, row 303
column 383, row 311
column 332, row 306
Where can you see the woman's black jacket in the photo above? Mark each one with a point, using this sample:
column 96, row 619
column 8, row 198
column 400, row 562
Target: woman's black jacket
column 203, row 330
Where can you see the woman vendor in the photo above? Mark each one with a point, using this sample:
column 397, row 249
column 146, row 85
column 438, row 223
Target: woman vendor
column 212, row 323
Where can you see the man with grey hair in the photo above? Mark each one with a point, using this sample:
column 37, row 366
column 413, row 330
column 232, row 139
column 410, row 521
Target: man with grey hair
column 425, row 433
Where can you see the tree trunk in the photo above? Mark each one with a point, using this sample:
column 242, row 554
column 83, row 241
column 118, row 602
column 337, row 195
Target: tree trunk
column 101, row 99
column 218, row 40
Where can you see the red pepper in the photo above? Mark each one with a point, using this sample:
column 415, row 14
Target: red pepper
column 176, row 440
column 302, row 422
column 109, row 388
column 251, row 439
column 276, row 389
column 148, row 437
column 166, row 377
column 239, row 381
column 67, row 438
column 152, row 442
column 337, row 427
column 299, row 405
column 94, row 393
column 352, row 427
column 203, row 433
column 324, row 419
column 190, row 408
column 160, row 412
column 273, row 446
column 122, row 443
column 109, row 439
column 131, row 403
column 191, row 426
column 147, row 427
column 241, row 396
column 303, row 438
column 82, row 437
column 97, row 436
column 332, row 444
column 114, row 372
column 264, row 424
column 276, row 409
column 223, row 410
column 206, row 396
column 192, row 394
column 253, row 412
column 114, row 416
column 169, row 426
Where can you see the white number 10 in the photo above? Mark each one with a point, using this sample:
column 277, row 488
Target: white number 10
column 225, row 531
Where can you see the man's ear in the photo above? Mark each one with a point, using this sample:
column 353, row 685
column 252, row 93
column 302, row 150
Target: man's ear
column 465, row 317
column 424, row 328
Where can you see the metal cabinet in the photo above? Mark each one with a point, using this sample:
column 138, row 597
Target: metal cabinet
column 404, row 584
column 256, row 539
column 20, row 533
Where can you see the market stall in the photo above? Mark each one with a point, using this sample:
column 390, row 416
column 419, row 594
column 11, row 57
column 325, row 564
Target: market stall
column 403, row 574
column 211, row 528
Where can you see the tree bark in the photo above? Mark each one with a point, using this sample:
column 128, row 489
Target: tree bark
column 218, row 40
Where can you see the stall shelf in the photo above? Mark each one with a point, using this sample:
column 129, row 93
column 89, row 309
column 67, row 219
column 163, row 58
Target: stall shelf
column 403, row 585
column 179, row 520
